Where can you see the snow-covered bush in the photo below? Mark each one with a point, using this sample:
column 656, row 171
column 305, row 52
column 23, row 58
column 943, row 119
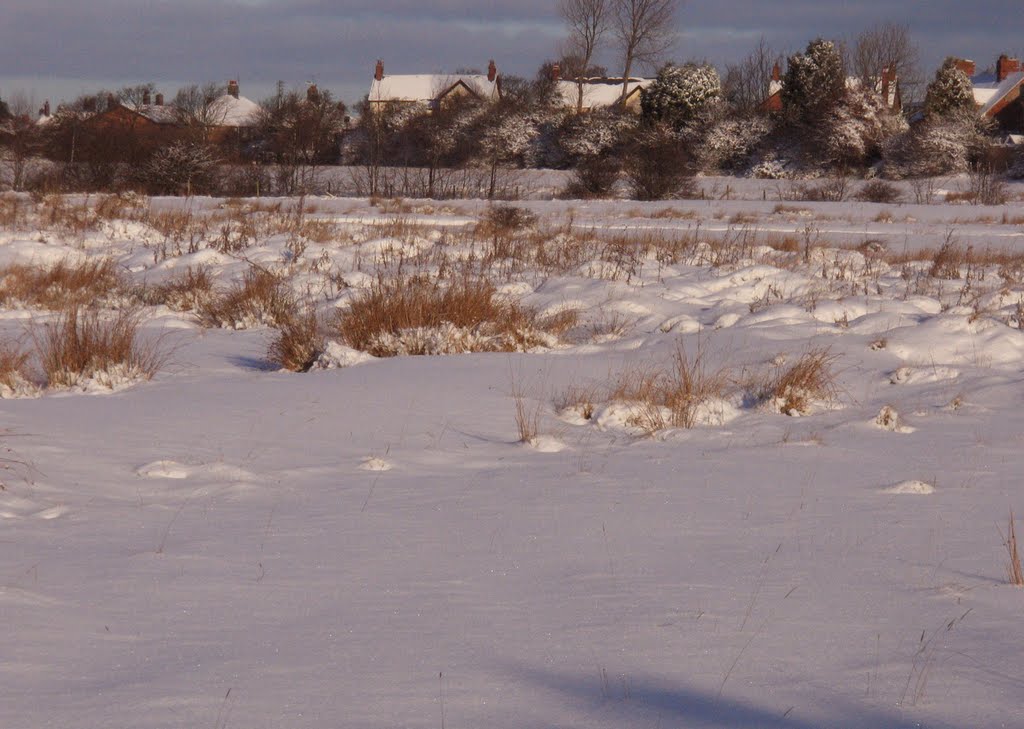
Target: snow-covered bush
column 680, row 93
column 770, row 168
column 586, row 135
column 856, row 128
column 814, row 82
column 950, row 92
column 728, row 144
column 181, row 168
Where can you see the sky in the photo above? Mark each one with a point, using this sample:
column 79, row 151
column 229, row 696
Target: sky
column 59, row 49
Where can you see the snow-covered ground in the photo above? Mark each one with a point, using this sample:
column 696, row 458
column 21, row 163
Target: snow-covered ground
column 370, row 545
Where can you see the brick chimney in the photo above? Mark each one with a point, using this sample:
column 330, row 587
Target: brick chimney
column 887, row 78
column 378, row 72
column 1005, row 66
column 233, row 88
column 776, row 72
column 112, row 101
column 556, row 72
column 966, row 66
column 492, row 71
column 159, row 99
column 312, row 94
column 145, row 98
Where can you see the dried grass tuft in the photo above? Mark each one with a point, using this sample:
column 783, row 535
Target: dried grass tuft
column 261, row 298
column 811, row 378
column 299, row 341
column 1014, row 572
column 84, row 344
column 59, row 285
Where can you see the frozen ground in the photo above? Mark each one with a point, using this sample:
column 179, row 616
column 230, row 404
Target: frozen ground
column 369, row 546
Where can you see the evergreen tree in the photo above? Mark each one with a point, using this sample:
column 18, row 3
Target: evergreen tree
column 680, row 93
column 814, row 83
column 949, row 92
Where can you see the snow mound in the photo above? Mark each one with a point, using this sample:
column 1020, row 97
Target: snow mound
column 164, row 469
column 375, row 464
column 921, row 375
column 337, row 355
column 889, row 419
column 910, row 487
column 546, row 444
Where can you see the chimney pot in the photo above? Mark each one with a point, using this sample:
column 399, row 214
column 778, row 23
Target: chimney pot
column 378, row 73
column 776, row 72
column 233, row 88
column 492, row 70
column 1005, row 66
column 145, row 98
column 46, row 108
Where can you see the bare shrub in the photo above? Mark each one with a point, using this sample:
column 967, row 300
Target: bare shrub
column 259, row 299
column 420, row 315
column 594, row 176
column 672, row 395
column 793, row 389
column 658, row 166
column 879, row 191
column 987, row 186
column 948, row 260
column 84, row 344
column 62, row 284
column 299, row 341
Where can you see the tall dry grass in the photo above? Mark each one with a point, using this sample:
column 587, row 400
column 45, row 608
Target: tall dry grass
column 261, row 298
column 793, row 389
column 85, row 344
column 299, row 341
column 1014, row 571
column 422, row 315
column 61, row 284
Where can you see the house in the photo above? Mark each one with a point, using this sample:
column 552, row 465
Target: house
column 598, row 92
column 887, row 87
column 998, row 92
column 431, row 90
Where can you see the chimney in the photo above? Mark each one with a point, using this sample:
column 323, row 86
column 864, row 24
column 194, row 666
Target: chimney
column 1005, row 66
column 886, row 79
column 233, row 88
column 145, row 98
column 556, row 72
column 492, row 71
column 111, row 101
column 159, row 99
column 46, row 108
column 776, row 72
column 89, row 104
column 966, row 66
column 378, row 73
column 312, row 94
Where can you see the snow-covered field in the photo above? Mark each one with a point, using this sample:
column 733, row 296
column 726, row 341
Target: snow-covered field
column 371, row 545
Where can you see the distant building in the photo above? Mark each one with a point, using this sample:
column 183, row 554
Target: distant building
column 998, row 92
column 598, row 92
column 887, row 86
column 431, row 90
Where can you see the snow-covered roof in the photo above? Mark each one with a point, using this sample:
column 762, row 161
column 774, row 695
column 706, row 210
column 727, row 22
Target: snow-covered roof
column 158, row 114
column 428, row 87
column 236, row 112
column 989, row 91
column 598, row 92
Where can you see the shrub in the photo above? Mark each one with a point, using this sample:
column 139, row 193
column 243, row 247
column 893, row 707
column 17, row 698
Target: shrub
column 62, row 284
column 86, row 345
column 412, row 315
column 879, row 191
column 658, row 166
column 1014, row 572
column 298, row 343
column 594, row 176
column 259, row 299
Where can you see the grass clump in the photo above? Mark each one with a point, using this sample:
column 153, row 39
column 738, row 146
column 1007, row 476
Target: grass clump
column 675, row 395
column 1014, row 572
column 418, row 315
column 188, row 291
column 14, row 378
column 85, row 345
column 299, row 342
column 261, row 298
column 792, row 390
column 62, row 284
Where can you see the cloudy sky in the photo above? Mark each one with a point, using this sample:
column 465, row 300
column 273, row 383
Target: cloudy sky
column 61, row 48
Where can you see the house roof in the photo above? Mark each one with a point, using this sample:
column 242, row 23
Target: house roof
column 227, row 110
column 425, row 88
column 853, row 83
column 598, row 91
column 989, row 91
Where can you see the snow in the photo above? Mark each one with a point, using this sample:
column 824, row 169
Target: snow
column 598, row 92
column 989, row 93
column 369, row 544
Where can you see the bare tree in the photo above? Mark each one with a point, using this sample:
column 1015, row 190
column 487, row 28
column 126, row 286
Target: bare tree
column 199, row 108
column 19, row 137
column 643, row 31
column 886, row 46
column 588, row 22
column 136, row 96
column 747, row 84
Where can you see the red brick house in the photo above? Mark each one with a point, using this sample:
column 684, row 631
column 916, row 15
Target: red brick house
column 998, row 92
column 431, row 90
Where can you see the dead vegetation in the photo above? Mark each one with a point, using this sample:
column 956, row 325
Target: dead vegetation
column 298, row 342
column 1015, row 574
column 14, row 375
column 83, row 344
column 261, row 298
column 410, row 315
column 793, row 389
column 61, row 284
